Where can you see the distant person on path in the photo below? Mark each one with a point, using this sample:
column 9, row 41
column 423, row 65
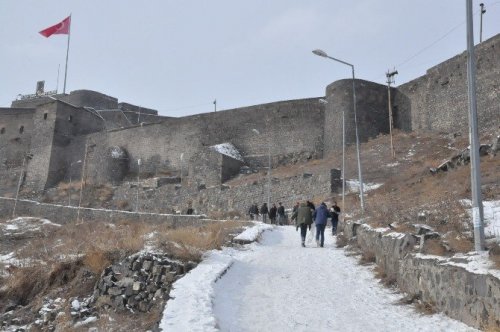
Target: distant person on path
column 334, row 214
column 264, row 211
column 311, row 205
column 320, row 217
column 281, row 214
column 272, row 214
column 303, row 219
column 253, row 211
column 295, row 207
column 190, row 210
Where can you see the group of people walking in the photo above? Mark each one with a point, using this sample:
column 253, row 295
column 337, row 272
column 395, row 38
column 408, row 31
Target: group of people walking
column 275, row 214
column 305, row 214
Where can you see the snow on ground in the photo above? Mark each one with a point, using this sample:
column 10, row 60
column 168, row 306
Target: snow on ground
column 475, row 262
column 353, row 186
column 277, row 285
column 228, row 149
column 491, row 217
column 21, row 225
column 252, row 233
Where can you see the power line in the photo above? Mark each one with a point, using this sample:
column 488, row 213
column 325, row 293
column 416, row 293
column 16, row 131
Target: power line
column 406, row 61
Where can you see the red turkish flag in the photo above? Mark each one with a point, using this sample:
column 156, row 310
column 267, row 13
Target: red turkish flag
column 61, row 28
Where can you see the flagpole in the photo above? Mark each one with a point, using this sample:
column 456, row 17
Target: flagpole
column 67, row 54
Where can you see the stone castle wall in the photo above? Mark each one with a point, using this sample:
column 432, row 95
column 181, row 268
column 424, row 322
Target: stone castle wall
column 371, row 110
column 438, row 101
column 291, row 127
column 16, row 129
column 58, row 141
column 288, row 131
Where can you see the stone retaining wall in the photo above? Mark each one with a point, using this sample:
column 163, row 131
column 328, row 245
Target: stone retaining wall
column 445, row 283
column 63, row 214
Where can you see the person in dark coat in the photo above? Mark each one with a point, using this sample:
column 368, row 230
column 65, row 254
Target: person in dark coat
column 311, row 205
column 272, row 214
column 303, row 219
column 334, row 214
column 281, row 214
column 190, row 210
column 264, row 211
column 253, row 211
column 320, row 217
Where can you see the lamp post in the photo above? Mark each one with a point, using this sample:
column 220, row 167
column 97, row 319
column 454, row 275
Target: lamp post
column 360, row 177
column 268, row 168
column 70, row 169
column 481, row 25
column 390, row 80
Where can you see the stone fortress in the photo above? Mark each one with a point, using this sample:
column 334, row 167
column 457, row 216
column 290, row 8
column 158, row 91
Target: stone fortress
column 87, row 133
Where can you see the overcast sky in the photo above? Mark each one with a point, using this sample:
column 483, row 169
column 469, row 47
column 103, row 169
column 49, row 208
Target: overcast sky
column 178, row 56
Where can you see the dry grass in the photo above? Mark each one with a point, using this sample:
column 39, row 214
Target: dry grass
column 97, row 260
column 434, row 247
column 26, row 283
column 74, row 185
column 121, row 204
column 68, row 260
column 191, row 242
column 425, row 308
column 386, row 280
column 367, row 257
column 341, row 240
column 458, row 242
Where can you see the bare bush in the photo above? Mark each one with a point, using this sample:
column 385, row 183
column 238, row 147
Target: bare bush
column 341, row 240
column 385, row 279
column 434, row 247
column 494, row 255
column 367, row 257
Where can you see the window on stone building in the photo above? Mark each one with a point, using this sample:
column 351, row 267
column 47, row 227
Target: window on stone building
column 70, row 118
column 2, row 131
column 45, row 116
column 21, row 129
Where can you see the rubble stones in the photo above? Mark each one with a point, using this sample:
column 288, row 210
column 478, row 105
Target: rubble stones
column 137, row 281
column 463, row 158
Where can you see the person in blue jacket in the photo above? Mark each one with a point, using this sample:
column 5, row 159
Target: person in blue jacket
column 320, row 217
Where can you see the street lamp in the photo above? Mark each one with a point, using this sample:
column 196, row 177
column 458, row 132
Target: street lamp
column 70, row 168
column 360, row 177
column 269, row 167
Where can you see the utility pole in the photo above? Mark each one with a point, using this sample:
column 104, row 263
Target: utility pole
column 21, row 176
column 481, row 24
column 390, row 80
column 477, row 203
column 82, row 181
column 137, row 193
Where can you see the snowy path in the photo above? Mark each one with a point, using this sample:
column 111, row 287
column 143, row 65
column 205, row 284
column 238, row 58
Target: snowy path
column 280, row 286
